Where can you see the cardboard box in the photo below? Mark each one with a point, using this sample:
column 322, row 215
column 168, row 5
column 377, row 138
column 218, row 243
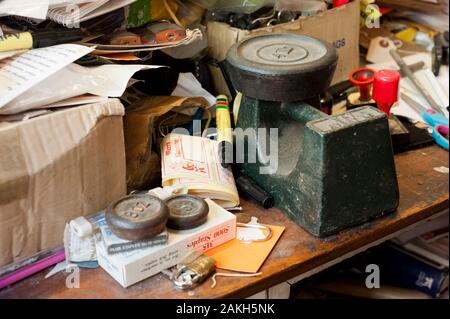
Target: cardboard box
column 339, row 26
column 131, row 267
column 55, row 168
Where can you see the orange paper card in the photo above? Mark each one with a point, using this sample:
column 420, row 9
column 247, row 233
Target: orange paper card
column 239, row 256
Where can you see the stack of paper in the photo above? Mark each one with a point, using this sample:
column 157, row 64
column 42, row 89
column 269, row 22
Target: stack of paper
column 34, row 9
column 438, row 91
column 79, row 11
column 64, row 3
column 32, row 80
column 193, row 162
column 61, row 11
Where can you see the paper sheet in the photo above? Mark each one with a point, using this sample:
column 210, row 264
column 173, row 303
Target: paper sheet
column 427, row 79
column 9, row 54
column 64, row 3
column 36, row 9
column 20, row 73
column 86, row 11
column 438, row 90
column 240, row 256
column 110, row 6
column 189, row 86
column 77, row 100
column 106, row 81
column 410, row 59
column 193, row 162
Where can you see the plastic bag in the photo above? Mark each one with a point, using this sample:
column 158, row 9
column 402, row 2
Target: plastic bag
column 240, row 6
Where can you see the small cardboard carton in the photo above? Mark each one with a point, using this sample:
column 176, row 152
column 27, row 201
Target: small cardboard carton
column 54, row 168
column 129, row 268
column 338, row 26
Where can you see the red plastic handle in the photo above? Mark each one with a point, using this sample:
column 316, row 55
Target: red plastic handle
column 386, row 89
column 363, row 79
column 338, row 3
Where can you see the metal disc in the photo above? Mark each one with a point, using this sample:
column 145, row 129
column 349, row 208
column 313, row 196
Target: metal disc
column 281, row 67
column 137, row 217
column 280, row 51
column 186, row 211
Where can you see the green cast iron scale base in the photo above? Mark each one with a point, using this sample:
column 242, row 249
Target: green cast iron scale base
column 332, row 171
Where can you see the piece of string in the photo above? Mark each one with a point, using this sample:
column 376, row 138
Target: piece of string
column 164, row 121
column 205, row 129
column 172, row 14
column 232, row 275
column 208, row 122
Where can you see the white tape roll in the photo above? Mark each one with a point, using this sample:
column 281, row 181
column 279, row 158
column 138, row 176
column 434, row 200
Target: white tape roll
column 81, row 227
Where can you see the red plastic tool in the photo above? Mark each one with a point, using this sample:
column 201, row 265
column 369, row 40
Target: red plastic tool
column 386, row 89
column 363, row 79
column 338, row 3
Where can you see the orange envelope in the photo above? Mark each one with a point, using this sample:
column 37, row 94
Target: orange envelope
column 245, row 257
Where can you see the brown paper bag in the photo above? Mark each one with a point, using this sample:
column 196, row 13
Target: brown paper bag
column 143, row 161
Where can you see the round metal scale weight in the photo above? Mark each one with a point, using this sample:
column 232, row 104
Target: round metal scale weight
column 186, row 212
column 137, row 217
column 281, row 67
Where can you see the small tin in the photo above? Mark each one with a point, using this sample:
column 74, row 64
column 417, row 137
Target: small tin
column 137, row 217
column 186, row 212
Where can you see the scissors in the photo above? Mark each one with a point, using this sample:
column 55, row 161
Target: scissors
column 437, row 121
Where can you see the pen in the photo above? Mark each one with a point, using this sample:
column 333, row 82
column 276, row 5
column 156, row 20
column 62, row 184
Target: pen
column 29, row 40
column 31, row 269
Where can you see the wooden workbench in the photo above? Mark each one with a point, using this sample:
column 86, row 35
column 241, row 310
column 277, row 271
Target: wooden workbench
column 423, row 195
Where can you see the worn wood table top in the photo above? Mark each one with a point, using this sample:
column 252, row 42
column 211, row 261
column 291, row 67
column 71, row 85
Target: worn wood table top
column 423, row 193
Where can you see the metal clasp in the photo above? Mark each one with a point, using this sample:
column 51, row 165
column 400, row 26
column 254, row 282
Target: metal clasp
column 193, row 273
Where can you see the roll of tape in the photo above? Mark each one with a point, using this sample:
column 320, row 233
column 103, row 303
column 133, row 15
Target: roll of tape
column 81, row 227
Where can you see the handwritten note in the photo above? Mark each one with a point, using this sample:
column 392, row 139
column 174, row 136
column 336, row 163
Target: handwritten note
column 193, row 162
column 20, row 73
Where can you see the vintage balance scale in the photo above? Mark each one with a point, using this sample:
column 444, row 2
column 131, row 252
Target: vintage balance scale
column 333, row 171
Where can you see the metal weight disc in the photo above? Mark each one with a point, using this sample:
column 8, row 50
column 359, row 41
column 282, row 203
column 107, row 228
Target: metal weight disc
column 281, row 67
column 137, row 217
column 186, row 212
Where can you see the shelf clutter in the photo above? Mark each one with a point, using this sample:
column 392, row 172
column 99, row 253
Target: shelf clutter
column 127, row 127
column 411, row 266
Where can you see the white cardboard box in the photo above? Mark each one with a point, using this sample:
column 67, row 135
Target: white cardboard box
column 131, row 267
